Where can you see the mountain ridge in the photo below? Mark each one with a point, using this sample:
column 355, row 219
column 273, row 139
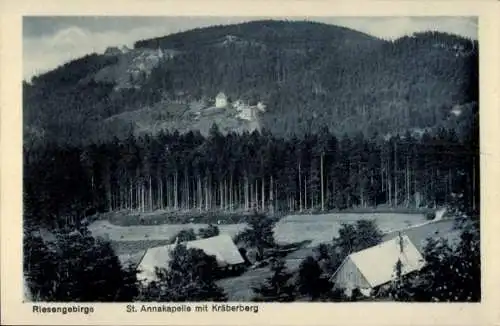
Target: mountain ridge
column 307, row 74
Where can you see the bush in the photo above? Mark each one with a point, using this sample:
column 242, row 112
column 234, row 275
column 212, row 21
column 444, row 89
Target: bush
column 183, row 236
column 278, row 287
column 430, row 216
column 310, row 281
column 328, row 258
column 210, row 231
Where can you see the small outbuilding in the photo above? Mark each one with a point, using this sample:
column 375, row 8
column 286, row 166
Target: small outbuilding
column 368, row 269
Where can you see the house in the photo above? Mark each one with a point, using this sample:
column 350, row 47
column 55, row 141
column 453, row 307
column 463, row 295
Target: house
column 373, row 267
column 245, row 111
column 222, row 247
column 221, row 100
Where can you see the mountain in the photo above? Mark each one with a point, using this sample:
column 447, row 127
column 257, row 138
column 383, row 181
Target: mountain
column 306, row 75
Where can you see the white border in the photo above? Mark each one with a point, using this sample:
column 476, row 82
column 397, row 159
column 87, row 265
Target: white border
column 487, row 312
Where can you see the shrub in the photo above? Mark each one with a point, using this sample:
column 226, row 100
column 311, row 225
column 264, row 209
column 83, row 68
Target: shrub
column 328, row 258
column 430, row 216
column 210, row 231
column 183, row 236
column 310, row 281
column 278, row 287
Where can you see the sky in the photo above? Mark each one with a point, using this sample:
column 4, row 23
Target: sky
column 51, row 41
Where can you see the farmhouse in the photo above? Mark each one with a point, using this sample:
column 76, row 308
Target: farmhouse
column 221, row 246
column 373, row 267
column 221, row 100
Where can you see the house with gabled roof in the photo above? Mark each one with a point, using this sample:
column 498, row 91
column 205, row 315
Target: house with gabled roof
column 368, row 269
column 226, row 253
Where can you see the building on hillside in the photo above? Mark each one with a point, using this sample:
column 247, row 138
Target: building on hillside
column 367, row 270
column 112, row 51
column 221, row 100
column 261, row 107
column 222, row 247
column 245, row 111
column 248, row 113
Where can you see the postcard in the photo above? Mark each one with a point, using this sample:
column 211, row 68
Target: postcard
column 274, row 163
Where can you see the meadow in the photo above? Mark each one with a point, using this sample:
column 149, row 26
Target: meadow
column 130, row 242
column 292, row 228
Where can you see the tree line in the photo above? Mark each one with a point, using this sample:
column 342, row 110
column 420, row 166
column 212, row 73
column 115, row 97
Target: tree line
column 250, row 172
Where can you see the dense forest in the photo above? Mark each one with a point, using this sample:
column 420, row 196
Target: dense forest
column 257, row 171
column 309, row 75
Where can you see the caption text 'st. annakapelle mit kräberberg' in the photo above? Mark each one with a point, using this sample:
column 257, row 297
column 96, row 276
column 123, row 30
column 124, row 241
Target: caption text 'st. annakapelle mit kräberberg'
column 198, row 308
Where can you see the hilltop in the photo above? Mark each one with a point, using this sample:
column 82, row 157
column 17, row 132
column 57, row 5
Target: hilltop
column 308, row 75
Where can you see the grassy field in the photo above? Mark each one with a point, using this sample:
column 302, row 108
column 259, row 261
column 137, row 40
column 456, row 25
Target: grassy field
column 148, row 233
column 293, row 228
column 418, row 235
column 323, row 227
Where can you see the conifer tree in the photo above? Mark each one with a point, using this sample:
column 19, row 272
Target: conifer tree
column 259, row 234
column 278, row 287
column 76, row 267
column 310, row 279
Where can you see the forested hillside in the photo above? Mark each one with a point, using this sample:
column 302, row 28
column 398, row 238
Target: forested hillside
column 309, row 76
